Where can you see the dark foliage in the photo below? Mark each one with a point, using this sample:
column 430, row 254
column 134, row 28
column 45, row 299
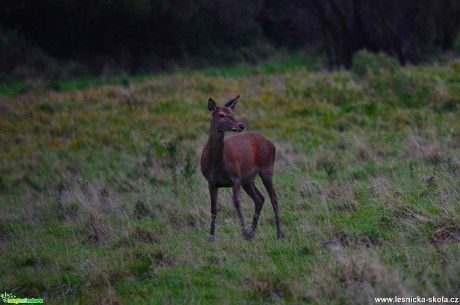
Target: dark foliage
column 150, row 33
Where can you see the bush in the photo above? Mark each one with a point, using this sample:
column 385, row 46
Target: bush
column 365, row 62
column 457, row 44
column 10, row 40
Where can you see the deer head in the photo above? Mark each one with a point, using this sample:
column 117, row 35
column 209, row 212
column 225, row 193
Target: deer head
column 223, row 118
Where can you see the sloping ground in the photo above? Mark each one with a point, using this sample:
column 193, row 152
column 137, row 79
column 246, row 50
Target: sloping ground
column 367, row 176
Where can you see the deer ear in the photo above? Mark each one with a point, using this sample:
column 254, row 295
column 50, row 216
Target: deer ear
column 232, row 103
column 211, row 105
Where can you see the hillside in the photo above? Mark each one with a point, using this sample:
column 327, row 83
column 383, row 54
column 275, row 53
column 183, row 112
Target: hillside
column 103, row 202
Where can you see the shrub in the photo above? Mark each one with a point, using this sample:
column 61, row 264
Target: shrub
column 365, row 62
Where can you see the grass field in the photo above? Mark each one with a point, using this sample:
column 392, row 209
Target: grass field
column 102, row 201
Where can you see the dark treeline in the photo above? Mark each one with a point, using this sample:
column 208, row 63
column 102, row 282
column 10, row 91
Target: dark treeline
column 147, row 33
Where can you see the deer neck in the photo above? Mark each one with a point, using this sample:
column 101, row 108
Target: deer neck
column 216, row 147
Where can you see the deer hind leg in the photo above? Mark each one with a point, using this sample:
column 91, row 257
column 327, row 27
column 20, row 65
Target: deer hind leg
column 267, row 179
column 259, row 200
column 236, row 202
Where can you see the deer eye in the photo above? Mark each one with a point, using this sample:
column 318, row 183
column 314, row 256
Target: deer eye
column 222, row 115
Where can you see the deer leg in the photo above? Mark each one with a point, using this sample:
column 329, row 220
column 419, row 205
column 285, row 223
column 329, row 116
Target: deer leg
column 268, row 183
column 236, row 202
column 258, row 199
column 213, row 191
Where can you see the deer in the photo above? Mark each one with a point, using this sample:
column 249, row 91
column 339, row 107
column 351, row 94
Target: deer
column 235, row 161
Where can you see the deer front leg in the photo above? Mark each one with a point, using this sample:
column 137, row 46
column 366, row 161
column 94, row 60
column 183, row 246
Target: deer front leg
column 213, row 191
column 236, row 202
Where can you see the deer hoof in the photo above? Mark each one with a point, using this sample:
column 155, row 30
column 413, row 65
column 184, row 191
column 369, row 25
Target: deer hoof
column 249, row 234
column 211, row 238
column 280, row 235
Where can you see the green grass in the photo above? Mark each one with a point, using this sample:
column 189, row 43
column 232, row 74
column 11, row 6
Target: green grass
column 12, row 88
column 291, row 63
column 367, row 177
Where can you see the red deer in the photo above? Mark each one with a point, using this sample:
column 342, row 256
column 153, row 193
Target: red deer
column 235, row 161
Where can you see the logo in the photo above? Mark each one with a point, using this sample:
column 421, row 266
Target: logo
column 12, row 299
column 6, row 296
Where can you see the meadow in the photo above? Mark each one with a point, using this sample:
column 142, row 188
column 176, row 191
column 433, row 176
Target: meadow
column 102, row 200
